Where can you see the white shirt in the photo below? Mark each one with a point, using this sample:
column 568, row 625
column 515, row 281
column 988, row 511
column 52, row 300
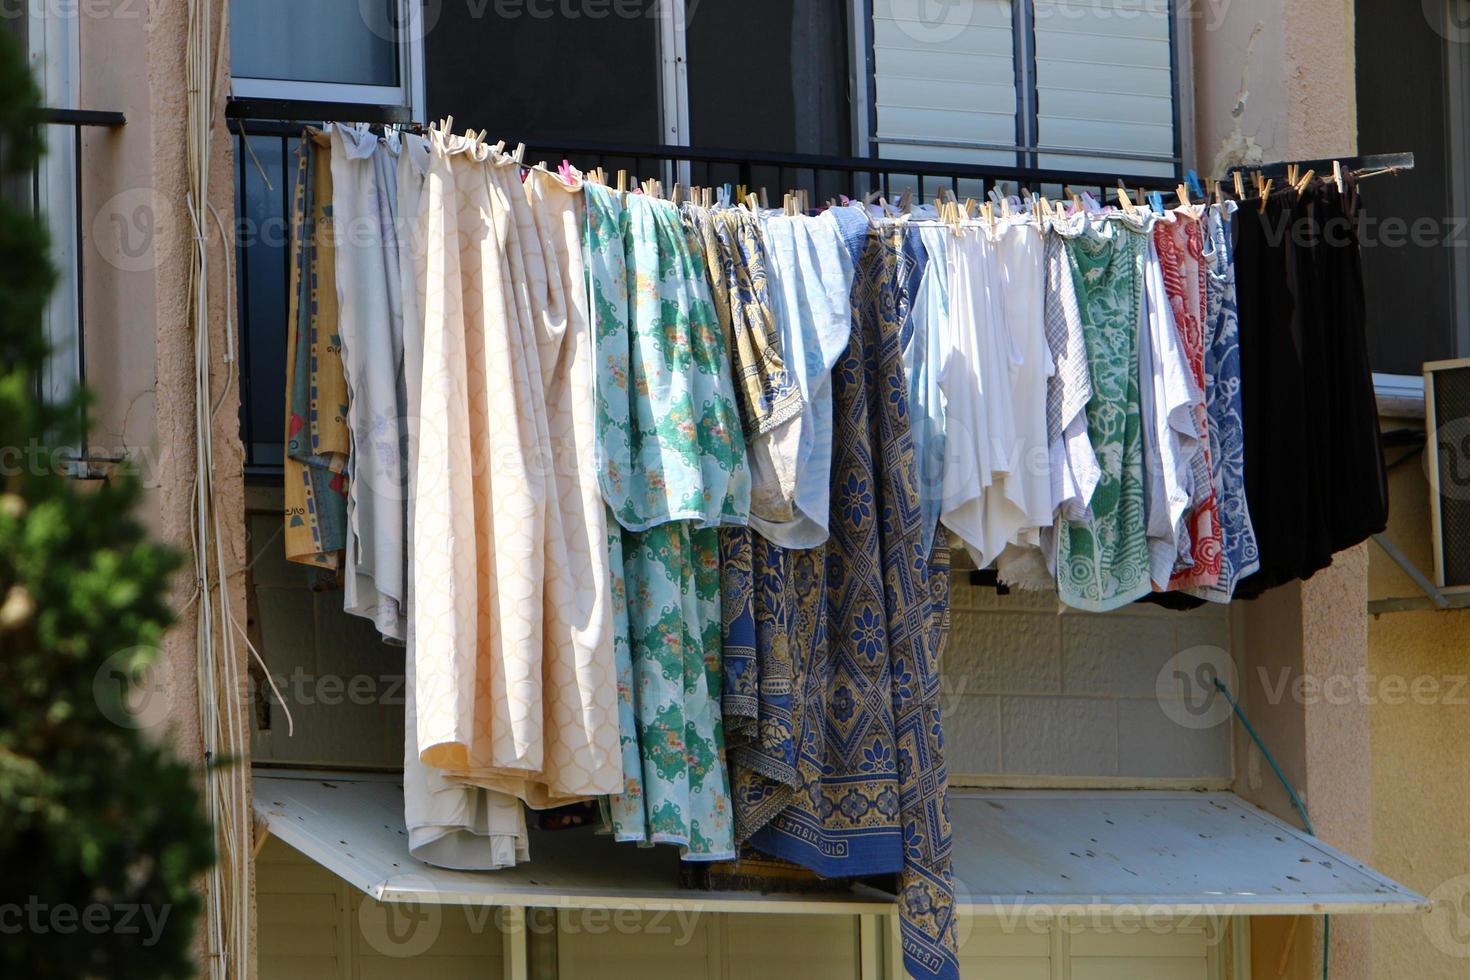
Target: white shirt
column 370, row 323
column 810, row 274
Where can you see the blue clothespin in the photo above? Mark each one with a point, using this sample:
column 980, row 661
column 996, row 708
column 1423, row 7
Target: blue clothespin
column 1196, row 189
column 1156, row 201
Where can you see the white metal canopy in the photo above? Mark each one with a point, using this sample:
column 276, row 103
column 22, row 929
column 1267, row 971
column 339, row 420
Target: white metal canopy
column 1053, row 852
column 1146, row 851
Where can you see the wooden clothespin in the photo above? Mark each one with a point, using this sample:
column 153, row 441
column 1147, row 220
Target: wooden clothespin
column 678, row 189
column 622, row 181
column 1291, row 170
column 1124, row 200
column 1306, row 179
column 1265, row 193
column 1337, row 176
column 1239, row 187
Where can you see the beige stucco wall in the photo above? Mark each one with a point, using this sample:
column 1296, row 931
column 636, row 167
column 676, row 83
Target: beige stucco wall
column 136, row 289
column 1275, row 82
column 1420, row 693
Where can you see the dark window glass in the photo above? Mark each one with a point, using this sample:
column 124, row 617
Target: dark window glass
column 346, row 41
column 769, row 75
column 263, row 256
column 540, row 71
column 1407, row 272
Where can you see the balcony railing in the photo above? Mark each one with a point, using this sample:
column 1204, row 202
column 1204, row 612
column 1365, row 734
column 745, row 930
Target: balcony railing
column 266, row 146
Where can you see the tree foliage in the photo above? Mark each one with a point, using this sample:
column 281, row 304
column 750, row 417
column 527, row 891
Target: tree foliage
column 102, row 838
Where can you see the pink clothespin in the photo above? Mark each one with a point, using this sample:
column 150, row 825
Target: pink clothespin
column 567, row 172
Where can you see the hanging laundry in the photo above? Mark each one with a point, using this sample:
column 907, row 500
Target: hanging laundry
column 673, row 471
column 775, row 629
column 997, row 478
column 770, row 397
column 871, row 762
column 1168, row 396
column 1103, row 558
column 1074, row 464
column 1238, row 552
column 318, row 443
column 811, row 275
column 364, row 205
column 1357, row 496
column 1020, row 504
column 449, row 824
column 925, row 357
column 1314, row 469
column 514, row 647
column 670, row 443
column 1179, row 242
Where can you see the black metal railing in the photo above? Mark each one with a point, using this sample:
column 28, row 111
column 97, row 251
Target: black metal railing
column 79, row 120
column 267, row 134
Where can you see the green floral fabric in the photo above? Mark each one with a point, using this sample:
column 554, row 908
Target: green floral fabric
column 672, row 462
column 1102, row 562
column 670, row 445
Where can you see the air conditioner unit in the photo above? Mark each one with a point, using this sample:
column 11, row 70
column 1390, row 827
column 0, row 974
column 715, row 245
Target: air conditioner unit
column 1447, row 461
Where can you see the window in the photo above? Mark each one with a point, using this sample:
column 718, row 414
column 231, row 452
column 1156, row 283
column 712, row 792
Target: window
column 52, row 46
column 1411, row 93
column 367, row 51
column 1082, row 85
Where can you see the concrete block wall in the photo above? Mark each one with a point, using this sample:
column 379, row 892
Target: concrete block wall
column 1032, row 692
column 342, row 684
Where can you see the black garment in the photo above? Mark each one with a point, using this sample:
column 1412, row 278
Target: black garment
column 1314, row 474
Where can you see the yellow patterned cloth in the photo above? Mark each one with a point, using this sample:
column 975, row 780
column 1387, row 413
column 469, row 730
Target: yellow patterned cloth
column 317, row 437
column 735, row 258
column 512, row 614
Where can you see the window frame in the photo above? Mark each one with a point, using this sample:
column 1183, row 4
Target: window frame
column 54, row 51
column 409, row 93
column 1027, row 148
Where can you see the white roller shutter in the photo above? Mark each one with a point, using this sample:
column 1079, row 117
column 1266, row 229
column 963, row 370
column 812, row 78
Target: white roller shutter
column 1105, row 90
column 945, row 80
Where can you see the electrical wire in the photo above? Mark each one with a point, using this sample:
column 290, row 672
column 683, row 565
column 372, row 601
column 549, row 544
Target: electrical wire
column 1296, row 801
column 226, row 792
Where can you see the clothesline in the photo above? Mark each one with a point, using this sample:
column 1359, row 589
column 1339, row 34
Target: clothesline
column 658, row 497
